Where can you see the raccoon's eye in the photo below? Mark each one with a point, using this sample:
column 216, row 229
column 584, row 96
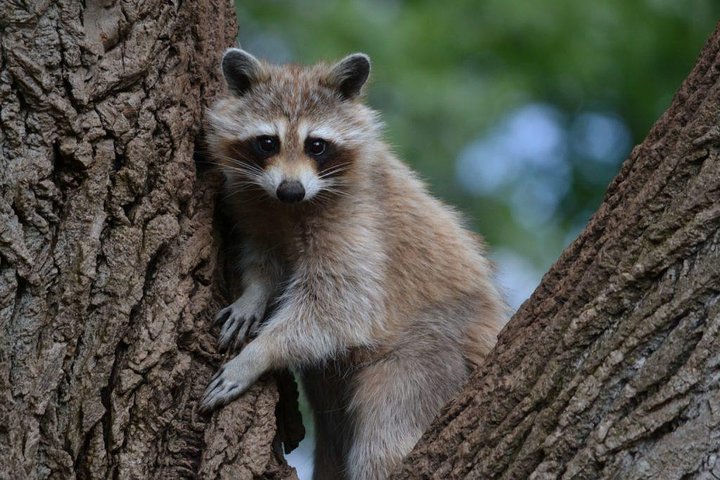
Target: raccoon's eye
column 267, row 145
column 316, row 146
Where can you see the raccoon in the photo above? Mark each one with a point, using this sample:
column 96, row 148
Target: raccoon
column 381, row 300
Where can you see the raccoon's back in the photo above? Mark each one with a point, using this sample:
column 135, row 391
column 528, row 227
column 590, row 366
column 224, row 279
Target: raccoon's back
column 436, row 261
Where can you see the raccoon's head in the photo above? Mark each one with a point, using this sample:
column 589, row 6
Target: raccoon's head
column 296, row 133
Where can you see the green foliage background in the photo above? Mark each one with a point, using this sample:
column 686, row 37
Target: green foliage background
column 447, row 73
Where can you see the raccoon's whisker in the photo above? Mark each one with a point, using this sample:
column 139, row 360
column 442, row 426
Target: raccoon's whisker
column 336, row 181
column 254, row 176
column 320, row 200
column 329, row 192
column 242, row 185
column 332, row 172
column 336, row 185
column 236, row 191
column 320, row 196
column 248, row 167
column 332, row 184
column 249, row 175
column 338, row 193
column 240, row 163
column 331, row 176
column 336, row 169
column 329, row 184
column 244, row 170
column 211, row 162
column 234, row 163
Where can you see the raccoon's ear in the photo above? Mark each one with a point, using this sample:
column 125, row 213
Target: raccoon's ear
column 241, row 70
column 350, row 74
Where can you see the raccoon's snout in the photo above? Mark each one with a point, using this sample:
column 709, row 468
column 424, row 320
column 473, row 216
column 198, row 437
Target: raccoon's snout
column 290, row 191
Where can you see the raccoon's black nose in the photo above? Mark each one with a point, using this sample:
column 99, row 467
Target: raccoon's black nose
column 290, row 191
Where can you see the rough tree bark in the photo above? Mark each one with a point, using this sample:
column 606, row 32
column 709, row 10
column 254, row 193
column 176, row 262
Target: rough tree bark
column 612, row 368
column 107, row 250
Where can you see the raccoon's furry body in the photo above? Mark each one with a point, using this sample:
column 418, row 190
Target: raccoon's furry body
column 384, row 301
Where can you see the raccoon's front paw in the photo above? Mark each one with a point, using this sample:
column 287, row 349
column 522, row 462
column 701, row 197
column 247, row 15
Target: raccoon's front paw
column 233, row 379
column 238, row 321
column 221, row 391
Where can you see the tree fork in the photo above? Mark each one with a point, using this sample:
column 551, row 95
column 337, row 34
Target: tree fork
column 610, row 369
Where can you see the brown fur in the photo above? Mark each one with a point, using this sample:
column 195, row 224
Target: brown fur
column 385, row 301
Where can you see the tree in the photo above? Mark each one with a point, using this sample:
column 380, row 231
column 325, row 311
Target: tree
column 107, row 250
column 109, row 274
column 610, row 369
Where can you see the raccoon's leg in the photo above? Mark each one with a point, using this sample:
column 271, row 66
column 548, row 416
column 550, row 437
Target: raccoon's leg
column 386, row 421
column 395, row 401
column 260, row 276
column 329, row 447
column 310, row 325
column 326, row 389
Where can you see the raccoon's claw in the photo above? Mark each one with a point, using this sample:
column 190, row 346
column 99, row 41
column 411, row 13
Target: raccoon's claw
column 219, row 393
column 224, row 387
column 238, row 321
column 222, row 316
column 236, row 330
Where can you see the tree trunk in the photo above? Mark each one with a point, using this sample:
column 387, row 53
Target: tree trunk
column 612, row 368
column 107, row 251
